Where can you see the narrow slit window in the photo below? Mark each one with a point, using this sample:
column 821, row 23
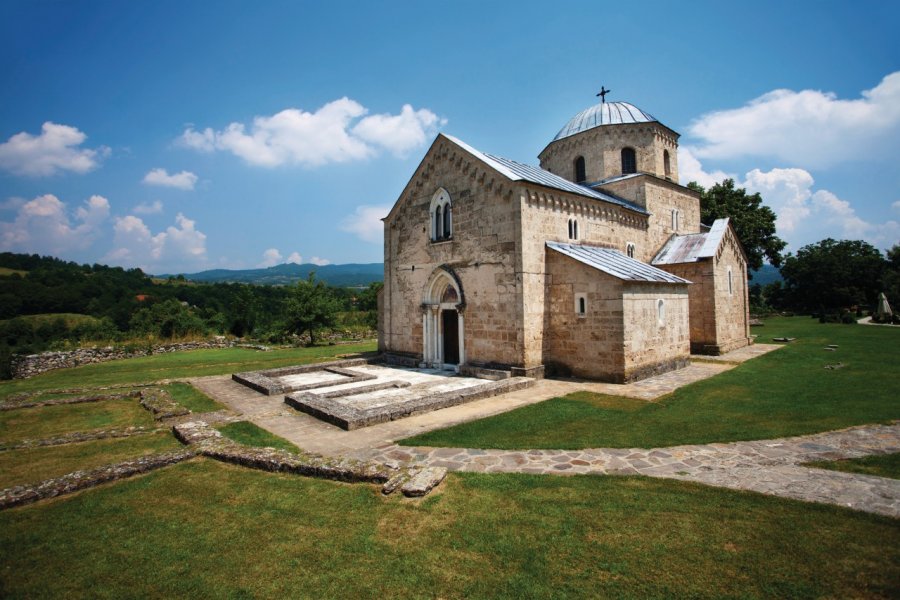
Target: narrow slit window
column 730, row 282
column 661, row 312
column 579, row 170
column 667, row 165
column 629, row 161
column 580, row 304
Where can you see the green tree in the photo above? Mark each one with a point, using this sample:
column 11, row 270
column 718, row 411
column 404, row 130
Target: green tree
column 833, row 275
column 168, row 319
column 753, row 222
column 310, row 307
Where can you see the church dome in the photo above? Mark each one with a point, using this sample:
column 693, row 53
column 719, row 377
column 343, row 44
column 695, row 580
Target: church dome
column 605, row 113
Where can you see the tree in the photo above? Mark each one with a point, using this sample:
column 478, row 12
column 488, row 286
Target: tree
column 833, row 275
column 890, row 285
column 310, row 306
column 753, row 222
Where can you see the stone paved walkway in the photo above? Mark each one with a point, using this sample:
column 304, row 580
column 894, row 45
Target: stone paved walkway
column 767, row 466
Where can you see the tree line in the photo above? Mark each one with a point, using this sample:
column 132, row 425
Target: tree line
column 85, row 303
column 836, row 280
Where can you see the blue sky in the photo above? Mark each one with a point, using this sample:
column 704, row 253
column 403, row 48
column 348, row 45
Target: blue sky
column 179, row 136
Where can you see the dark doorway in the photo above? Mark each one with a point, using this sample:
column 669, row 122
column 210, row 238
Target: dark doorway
column 450, row 322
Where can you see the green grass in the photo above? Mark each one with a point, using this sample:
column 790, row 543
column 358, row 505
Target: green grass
column 6, row 271
column 208, row 529
column 249, row 434
column 176, row 365
column 191, row 398
column 37, row 464
column 883, row 465
column 50, row 421
column 786, row 392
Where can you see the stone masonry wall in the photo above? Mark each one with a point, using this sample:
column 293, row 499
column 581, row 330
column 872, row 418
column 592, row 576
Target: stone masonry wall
column 482, row 253
column 602, row 147
column 653, row 346
column 659, row 197
column 589, row 345
column 732, row 306
column 24, row 366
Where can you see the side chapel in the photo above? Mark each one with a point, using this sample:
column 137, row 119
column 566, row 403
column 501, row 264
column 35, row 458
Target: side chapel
column 594, row 264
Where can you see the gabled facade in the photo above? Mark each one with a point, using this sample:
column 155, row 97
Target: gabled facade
column 490, row 263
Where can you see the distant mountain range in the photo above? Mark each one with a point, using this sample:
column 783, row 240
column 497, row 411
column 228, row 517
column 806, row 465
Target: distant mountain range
column 766, row 275
column 350, row 275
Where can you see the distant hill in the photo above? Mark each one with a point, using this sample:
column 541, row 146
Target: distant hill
column 349, row 275
column 766, row 275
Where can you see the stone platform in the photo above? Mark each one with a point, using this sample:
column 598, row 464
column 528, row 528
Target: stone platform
column 354, row 394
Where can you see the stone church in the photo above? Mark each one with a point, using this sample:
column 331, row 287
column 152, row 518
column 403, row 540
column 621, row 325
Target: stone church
column 594, row 264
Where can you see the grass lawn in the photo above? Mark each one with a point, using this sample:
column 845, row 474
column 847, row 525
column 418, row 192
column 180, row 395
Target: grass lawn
column 786, row 392
column 208, row 529
column 882, row 465
column 174, row 365
column 50, row 421
column 250, row 434
column 192, row 399
column 37, row 464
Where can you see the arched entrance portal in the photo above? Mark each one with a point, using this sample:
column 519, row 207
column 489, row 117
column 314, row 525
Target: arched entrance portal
column 443, row 318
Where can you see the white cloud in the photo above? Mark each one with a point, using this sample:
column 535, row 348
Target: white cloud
column 271, row 257
column 311, row 139
column 43, row 225
column 320, row 262
column 179, row 247
column 806, row 215
column 183, row 181
column 365, row 223
column 896, row 206
column 55, row 149
column 808, row 128
column 399, row 133
column 12, row 203
column 295, row 258
column 690, row 169
column 148, row 208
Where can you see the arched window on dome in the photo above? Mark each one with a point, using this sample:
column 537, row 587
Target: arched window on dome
column 580, row 176
column 667, row 165
column 629, row 161
column 441, row 216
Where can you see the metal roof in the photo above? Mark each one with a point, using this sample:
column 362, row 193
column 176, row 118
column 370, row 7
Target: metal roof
column 519, row 172
column 605, row 113
column 613, row 262
column 692, row 247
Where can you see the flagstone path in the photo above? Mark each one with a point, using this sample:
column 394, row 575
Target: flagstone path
column 767, row 466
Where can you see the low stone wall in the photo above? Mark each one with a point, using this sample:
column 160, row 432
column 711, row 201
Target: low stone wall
column 77, row 437
column 30, row 365
column 80, row 480
column 209, row 442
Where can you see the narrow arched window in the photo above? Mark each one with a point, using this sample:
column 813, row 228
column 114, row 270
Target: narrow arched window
column 579, row 170
column 730, row 283
column 573, row 229
column 438, row 222
column 629, row 249
column 661, row 312
column 448, row 221
column 675, row 220
column 629, row 161
column 667, row 165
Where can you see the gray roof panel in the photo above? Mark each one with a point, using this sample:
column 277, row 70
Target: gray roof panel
column 612, row 262
column 692, row 247
column 520, row 172
column 605, row 113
